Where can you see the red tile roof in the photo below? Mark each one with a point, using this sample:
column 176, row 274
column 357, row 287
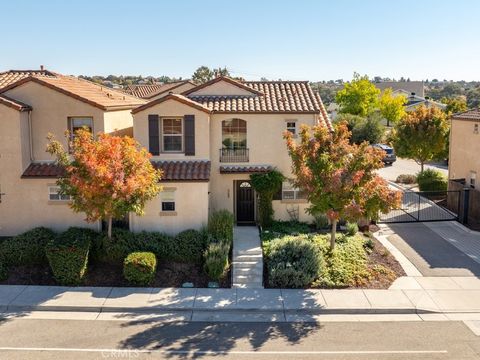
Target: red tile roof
column 15, row 104
column 473, row 114
column 176, row 97
column 96, row 95
column 43, row 170
column 245, row 169
column 11, row 76
column 191, row 170
column 147, row 91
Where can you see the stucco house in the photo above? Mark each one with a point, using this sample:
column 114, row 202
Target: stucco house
column 207, row 141
column 464, row 161
column 151, row 92
column 33, row 104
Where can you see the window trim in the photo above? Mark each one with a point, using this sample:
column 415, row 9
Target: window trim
column 473, row 179
column 295, row 127
column 72, row 118
column 238, row 127
column 67, row 198
column 291, row 189
column 181, row 136
column 168, row 201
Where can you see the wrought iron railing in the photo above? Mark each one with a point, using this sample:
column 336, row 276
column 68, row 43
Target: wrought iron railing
column 233, row 155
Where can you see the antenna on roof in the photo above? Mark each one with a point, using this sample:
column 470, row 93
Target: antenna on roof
column 42, row 68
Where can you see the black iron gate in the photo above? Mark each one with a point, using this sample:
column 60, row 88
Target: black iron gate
column 425, row 206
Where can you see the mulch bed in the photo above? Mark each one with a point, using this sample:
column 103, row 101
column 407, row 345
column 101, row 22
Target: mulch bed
column 169, row 274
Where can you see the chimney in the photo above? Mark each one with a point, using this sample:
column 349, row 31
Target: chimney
column 41, row 68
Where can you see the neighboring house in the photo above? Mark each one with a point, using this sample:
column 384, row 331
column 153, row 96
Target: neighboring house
column 213, row 137
column 33, row 104
column 207, row 141
column 414, row 101
column 332, row 110
column 404, row 87
column 155, row 91
column 464, row 160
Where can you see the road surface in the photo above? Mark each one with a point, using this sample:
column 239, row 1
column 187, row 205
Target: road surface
column 29, row 339
column 405, row 166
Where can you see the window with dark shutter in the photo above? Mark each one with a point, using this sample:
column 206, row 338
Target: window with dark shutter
column 189, row 123
column 153, row 135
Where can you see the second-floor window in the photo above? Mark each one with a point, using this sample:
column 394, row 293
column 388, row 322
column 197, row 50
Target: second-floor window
column 172, row 134
column 292, row 127
column 77, row 123
column 234, row 134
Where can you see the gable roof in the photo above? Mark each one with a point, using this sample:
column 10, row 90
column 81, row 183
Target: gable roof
column 12, row 76
column 83, row 90
column 224, row 79
column 14, row 104
column 473, row 114
column 147, row 91
column 408, row 86
column 176, row 97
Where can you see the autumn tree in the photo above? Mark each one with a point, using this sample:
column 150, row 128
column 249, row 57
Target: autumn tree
column 106, row 177
column 391, row 107
column 338, row 177
column 421, row 135
column 358, row 97
column 202, row 75
column 455, row 105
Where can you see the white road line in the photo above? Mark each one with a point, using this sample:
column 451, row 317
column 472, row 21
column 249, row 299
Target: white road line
column 212, row 352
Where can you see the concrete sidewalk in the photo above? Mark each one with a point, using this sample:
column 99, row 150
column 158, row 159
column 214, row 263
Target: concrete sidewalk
column 408, row 295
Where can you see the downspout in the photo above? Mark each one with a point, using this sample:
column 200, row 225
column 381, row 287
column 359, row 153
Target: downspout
column 30, row 137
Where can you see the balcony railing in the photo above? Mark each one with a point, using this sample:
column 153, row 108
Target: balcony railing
column 234, row 155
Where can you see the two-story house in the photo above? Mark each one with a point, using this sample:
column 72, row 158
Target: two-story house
column 209, row 139
column 33, row 104
column 151, row 92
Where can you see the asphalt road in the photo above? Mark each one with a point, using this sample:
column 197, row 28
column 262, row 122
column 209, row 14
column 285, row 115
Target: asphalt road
column 405, row 166
column 82, row 339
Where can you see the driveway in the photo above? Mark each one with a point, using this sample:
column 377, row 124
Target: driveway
column 406, row 166
column 431, row 254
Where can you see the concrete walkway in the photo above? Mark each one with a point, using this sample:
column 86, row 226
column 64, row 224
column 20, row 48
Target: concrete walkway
column 247, row 265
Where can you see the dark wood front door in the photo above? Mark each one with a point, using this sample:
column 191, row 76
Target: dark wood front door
column 245, row 203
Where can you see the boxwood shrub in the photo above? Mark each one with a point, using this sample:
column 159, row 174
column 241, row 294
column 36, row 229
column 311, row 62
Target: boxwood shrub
column 139, row 268
column 432, row 180
column 67, row 255
column 216, row 260
column 27, row 248
column 292, row 262
column 189, row 246
column 220, row 225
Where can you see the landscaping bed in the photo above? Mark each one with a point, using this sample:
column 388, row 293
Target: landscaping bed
column 296, row 256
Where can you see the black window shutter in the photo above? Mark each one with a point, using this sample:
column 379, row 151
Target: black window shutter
column 189, row 123
column 153, row 135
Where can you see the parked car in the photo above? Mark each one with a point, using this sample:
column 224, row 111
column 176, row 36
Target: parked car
column 390, row 156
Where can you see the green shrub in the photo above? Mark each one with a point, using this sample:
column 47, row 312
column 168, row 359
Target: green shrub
column 346, row 265
column 321, row 221
column 161, row 244
column 114, row 250
column 189, row 246
column 292, row 262
column 67, row 255
column 280, row 229
column 432, row 180
column 216, row 260
column 3, row 271
column 406, row 179
column 220, row 225
column 139, row 268
column 369, row 129
column 352, row 228
column 27, row 248
column 266, row 185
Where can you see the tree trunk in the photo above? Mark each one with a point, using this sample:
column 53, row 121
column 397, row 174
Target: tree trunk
column 333, row 234
column 421, row 166
column 110, row 227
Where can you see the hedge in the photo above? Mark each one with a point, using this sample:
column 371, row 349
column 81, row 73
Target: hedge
column 139, row 268
column 67, row 255
column 432, row 180
column 27, row 248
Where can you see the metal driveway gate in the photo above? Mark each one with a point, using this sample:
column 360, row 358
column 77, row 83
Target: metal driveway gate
column 424, row 206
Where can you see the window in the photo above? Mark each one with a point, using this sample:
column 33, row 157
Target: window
column 168, row 200
column 77, row 123
column 292, row 127
column 53, row 194
column 234, row 134
column 291, row 193
column 473, row 178
column 475, row 128
column 172, row 134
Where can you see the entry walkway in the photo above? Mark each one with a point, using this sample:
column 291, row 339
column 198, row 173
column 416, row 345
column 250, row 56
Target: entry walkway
column 247, row 265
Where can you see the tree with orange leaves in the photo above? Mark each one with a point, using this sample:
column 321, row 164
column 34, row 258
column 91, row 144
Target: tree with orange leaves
column 106, row 177
column 338, row 177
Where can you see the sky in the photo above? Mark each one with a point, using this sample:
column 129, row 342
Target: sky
column 290, row 40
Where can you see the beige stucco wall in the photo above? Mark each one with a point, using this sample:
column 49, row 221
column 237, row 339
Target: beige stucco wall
column 221, row 88
column 175, row 109
column 464, row 150
column 118, row 122
column 266, row 147
column 191, row 210
column 51, row 110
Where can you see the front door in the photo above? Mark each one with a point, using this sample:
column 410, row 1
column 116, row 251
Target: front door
column 245, row 203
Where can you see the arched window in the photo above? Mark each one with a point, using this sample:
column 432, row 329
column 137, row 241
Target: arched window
column 234, row 134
